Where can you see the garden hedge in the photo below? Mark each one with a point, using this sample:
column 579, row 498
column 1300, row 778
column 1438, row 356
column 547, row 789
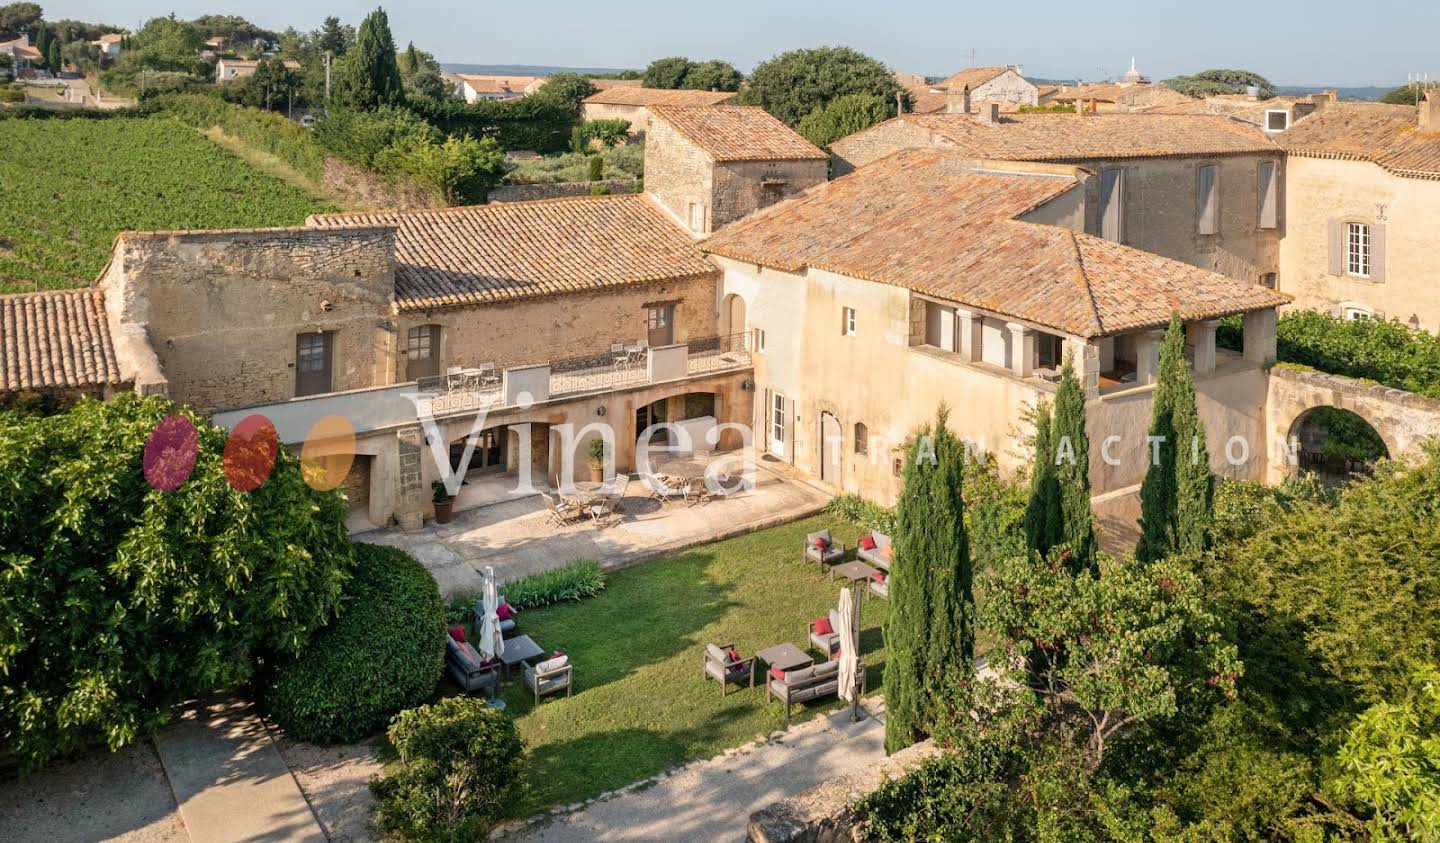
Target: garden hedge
column 383, row 654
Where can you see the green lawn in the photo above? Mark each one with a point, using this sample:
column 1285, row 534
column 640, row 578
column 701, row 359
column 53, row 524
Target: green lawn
column 640, row 705
column 67, row 187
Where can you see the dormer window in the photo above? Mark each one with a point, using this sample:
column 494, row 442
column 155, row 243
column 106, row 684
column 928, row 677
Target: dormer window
column 1277, row 120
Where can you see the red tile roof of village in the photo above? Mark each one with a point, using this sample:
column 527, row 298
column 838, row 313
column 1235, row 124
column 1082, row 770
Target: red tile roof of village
column 927, row 99
column 738, row 133
column 1069, row 137
column 56, row 340
column 972, row 76
column 929, row 221
column 607, row 84
column 490, row 83
column 626, row 95
column 1388, row 135
column 453, row 257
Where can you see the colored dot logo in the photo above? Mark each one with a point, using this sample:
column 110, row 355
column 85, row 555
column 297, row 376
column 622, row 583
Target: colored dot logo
column 250, row 453
column 170, row 453
column 327, row 453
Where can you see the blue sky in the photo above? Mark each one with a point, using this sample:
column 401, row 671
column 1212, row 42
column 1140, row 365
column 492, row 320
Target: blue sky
column 1290, row 41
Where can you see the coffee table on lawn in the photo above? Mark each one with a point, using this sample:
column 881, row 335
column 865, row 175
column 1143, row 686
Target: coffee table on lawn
column 521, row 648
column 852, row 571
column 784, row 656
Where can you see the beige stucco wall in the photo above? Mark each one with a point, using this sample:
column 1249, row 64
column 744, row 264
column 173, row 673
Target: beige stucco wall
column 538, row 331
column 222, row 309
column 1318, row 190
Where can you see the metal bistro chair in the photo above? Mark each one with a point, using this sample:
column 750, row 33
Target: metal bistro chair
column 488, row 374
column 562, row 513
column 620, row 355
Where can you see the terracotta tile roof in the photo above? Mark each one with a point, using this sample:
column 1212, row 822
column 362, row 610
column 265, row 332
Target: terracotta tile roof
column 973, row 76
column 658, row 96
column 738, row 133
column 926, row 99
column 453, row 257
column 929, row 221
column 1387, row 135
column 1068, row 137
column 56, row 340
column 1236, row 107
column 607, row 84
column 502, row 84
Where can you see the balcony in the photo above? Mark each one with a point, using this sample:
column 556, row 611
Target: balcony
column 469, row 390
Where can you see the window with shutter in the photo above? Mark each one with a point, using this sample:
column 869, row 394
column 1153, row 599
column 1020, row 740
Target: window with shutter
column 1112, row 204
column 1269, row 196
column 1209, row 187
column 422, row 352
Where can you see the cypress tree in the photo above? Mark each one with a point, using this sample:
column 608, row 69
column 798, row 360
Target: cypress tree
column 52, row 56
column 1042, row 512
column 1072, row 470
column 370, row 74
column 42, row 43
column 932, row 603
column 1176, row 497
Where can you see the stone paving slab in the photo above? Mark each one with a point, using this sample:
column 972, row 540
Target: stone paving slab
column 518, row 538
column 229, row 781
column 713, row 799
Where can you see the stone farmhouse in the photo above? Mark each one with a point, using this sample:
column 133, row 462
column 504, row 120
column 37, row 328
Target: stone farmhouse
column 628, row 102
column 955, row 257
column 1004, row 84
column 474, row 88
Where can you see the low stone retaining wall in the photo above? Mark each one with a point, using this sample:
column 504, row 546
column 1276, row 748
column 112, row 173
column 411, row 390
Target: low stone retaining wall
column 823, row 814
column 528, row 192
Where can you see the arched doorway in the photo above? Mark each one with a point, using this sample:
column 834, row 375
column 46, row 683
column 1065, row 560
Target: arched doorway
column 832, row 442
column 732, row 315
column 1335, row 444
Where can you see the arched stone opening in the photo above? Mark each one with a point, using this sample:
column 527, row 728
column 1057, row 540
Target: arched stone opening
column 1335, row 443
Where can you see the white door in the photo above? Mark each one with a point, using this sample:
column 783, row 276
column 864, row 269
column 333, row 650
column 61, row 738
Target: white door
column 777, row 424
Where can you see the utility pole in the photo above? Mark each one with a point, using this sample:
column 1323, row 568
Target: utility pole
column 327, row 83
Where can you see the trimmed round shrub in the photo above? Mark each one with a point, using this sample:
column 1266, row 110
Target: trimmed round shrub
column 460, row 763
column 384, row 653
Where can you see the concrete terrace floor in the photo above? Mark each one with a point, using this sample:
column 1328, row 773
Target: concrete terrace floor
column 518, row 538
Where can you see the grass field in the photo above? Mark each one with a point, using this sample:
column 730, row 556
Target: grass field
column 67, row 187
column 640, row 705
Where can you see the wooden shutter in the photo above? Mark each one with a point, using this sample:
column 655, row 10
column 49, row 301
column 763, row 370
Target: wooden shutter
column 1112, row 211
column 1269, row 198
column 1377, row 253
column 1336, row 247
column 1207, row 184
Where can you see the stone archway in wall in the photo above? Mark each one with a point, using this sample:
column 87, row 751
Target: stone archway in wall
column 1402, row 421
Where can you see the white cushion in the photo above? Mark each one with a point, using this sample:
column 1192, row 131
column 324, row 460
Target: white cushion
column 552, row 664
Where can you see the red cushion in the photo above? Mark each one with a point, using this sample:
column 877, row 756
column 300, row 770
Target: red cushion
column 504, row 612
column 867, row 543
column 823, row 627
column 878, row 576
column 732, row 655
column 458, row 633
column 777, row 673
column 822, row 545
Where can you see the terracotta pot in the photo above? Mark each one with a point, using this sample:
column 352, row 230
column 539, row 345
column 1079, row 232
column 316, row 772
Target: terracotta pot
column 597, row 474
column 443, row 511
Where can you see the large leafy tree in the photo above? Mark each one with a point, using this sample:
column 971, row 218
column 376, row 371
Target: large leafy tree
column 1176, row 498
column 334, row 36
column 1208, row 83
column 118, row 600
column 369, row 75
column 1072, row 469
column 930, row 633
column 793, row 84
column 17, row 19
column 567, row 89
column 667, row 72
column 844, row 116
column 713, row 75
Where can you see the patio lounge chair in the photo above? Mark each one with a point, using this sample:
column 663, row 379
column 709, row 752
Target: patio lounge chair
column 507, row 625
column 878, row 556
column 806, row 684
column 833, row 554
column 469, row 671
column 879, row 585
column 549, row 677
column 723, row 669
column 826, row 642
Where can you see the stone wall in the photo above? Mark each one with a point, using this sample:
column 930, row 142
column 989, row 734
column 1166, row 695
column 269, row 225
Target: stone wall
column 541, row 330
column 875, row 143
column 222, row 309
column 1318, row 190
column 823, row 814
column 740, row 188
column 555, row 190
column 680, row 175
column 1008, row 87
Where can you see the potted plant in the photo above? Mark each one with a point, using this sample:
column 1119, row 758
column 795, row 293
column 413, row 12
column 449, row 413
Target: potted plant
column 599, row 450
column 444, row 501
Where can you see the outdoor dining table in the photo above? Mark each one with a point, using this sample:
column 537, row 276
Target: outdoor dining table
column 853, row 571
column 586, row 492
column 521, row 648
column 784, row 656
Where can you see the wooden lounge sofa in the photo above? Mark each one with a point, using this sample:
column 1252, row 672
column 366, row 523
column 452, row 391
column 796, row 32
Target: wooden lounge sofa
column 465, row 666
column 878, row 556
column 806, row 684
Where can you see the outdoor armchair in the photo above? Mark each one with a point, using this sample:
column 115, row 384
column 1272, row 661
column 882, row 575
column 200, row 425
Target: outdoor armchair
column 549, row 677
column 826, row 642
column 823, row 550
column 725, row 670
column 507, row 625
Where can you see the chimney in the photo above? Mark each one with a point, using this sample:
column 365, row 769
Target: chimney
column 957, row 102
column 1430, row 112
column 990, row 112
column 1322, row 99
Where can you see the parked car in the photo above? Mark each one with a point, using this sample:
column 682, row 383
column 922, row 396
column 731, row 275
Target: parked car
column 308, row 121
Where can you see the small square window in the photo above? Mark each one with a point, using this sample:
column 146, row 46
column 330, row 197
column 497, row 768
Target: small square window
column 847, row 321
column 1277, row 120
column 1268, row 280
